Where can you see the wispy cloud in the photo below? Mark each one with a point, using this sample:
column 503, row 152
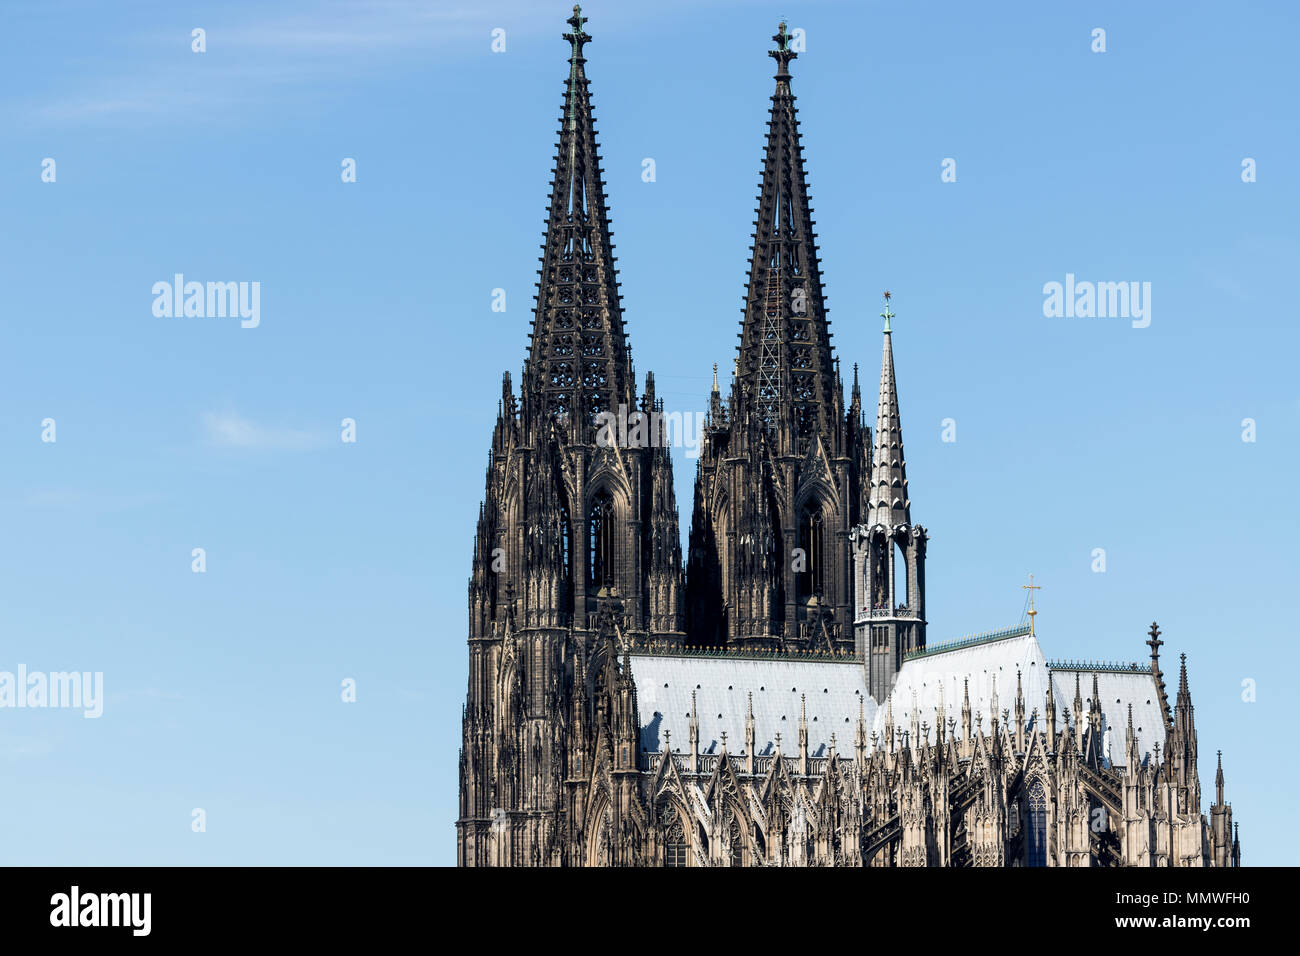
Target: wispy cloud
column 231, row 430
column 251, row 55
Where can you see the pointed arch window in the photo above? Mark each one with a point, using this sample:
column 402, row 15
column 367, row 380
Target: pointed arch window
column 675, row 844
column 600, row 542
column 737, row 844
column 811, row 527
column 566, row 559
column 1036, row 828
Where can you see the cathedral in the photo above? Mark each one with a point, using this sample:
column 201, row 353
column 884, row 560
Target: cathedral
column 771, row 699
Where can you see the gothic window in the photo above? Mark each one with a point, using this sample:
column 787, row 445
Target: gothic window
column 775, row 546
column 600, row 542
column 737, row 844
column 1036, row 828
column 675, row 844
column 566, row 556
column 812, row 580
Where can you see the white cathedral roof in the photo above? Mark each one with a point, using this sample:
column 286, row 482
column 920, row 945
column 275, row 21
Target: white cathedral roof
column 1117, row 689
column 832, row 690
column 988, row 666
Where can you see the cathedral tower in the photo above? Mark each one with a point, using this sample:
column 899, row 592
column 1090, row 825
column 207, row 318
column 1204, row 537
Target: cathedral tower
column 779, row 483
column 577, row 555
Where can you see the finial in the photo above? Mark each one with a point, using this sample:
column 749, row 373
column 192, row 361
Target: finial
column 1031, row 587
column 887, row 314
column 715, row 376
column 782, row 54
column 577, row 20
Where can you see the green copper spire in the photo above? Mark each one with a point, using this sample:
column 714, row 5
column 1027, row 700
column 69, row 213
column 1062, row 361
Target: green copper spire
column 887, row 314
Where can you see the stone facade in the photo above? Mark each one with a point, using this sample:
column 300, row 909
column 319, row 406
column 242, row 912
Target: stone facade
column 590, row 644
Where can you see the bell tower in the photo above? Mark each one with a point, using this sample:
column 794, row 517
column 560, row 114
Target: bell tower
column 577, row 558
column 778, row 485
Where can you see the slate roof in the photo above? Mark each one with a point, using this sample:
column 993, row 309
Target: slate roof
column 1117, row 691
column 833, row 690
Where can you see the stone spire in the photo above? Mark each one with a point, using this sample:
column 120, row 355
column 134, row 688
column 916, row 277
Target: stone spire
column 784, row 468
column 787, row 375
column 888, row 503
column 578, row 362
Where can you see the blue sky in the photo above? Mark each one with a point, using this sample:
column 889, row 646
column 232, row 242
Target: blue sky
column 328, row 560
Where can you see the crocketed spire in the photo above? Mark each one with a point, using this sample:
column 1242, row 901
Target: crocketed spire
column 888, row 501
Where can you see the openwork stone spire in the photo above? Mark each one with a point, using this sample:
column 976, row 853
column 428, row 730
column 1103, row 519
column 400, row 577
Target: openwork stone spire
column 578, row 361
column 786, row 368
column 888, row 502
column 577, row 556
column 783, row 463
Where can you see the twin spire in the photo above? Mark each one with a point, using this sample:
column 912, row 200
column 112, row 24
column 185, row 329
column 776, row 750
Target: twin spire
column 787, row 383
column 578, row 363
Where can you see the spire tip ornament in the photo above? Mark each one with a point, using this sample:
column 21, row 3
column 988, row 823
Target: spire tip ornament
column 888, row 313
column 782, row 54
column 1031, row 587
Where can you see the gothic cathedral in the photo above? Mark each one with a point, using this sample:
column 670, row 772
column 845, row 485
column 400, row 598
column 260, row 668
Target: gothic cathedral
column 774, row 701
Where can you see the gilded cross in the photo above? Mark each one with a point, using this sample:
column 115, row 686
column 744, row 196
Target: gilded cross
column 1031, row 587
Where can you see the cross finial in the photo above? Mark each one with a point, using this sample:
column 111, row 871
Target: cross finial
column 577, row 20
column 1031, row 587
column 782, row 54
column 888, row 313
